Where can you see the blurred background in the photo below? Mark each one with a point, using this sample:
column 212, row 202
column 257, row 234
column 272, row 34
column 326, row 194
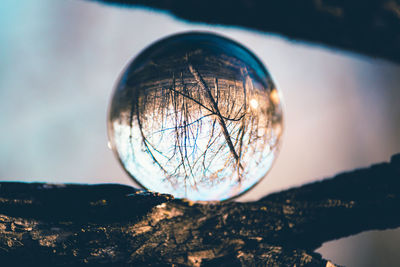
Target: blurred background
column 59, row 61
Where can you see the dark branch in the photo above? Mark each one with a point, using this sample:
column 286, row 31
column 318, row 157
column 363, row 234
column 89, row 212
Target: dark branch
column 368, row 27
column 115, row 224
column 215, row 109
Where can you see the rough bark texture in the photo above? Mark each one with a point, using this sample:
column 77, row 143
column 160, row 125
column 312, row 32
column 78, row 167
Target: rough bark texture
column 367, row 27
column 92, row 225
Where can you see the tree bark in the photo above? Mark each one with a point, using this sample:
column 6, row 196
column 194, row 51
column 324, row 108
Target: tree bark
column 108, row 224
column 367, row 27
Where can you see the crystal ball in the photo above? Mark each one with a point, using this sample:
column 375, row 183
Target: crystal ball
column 196, row 115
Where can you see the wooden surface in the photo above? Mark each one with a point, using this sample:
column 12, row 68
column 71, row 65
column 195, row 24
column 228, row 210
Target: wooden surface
column 95, row 225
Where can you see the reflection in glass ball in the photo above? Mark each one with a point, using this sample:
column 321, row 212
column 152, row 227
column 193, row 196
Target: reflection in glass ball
column 196, row 115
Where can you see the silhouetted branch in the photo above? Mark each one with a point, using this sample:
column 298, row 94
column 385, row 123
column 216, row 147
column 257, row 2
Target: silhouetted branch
column 368, row 27
column 91, row 225
column 215, row 109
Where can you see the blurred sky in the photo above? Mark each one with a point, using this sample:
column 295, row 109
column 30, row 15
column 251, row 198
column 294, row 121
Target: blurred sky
column 59, row 61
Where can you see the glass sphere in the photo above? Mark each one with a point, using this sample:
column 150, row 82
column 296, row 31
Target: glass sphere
column 196, row 115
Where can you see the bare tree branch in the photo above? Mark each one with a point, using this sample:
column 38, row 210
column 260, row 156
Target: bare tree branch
column 367, row 27
column 93, row 225
column 220, row 119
